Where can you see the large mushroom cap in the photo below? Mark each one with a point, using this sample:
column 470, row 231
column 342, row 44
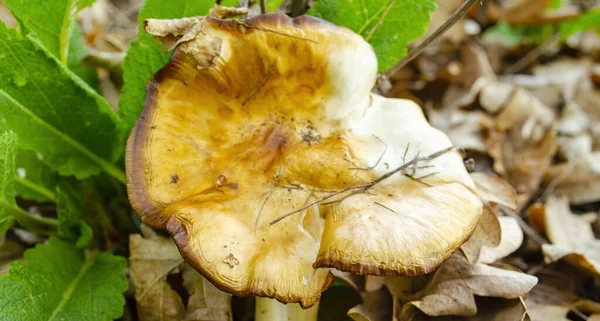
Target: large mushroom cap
column 254, row 119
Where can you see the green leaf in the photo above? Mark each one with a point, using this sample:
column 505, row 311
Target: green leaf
column 60, row 282
column 588, row 20
column 52, row 23
column 34, row 180
column 273, row 5
column 8, row 149
column 146, row 57
column 71, row 225
column 504, row 34
column 388, row 25
column 54, row 112
column 511, row 36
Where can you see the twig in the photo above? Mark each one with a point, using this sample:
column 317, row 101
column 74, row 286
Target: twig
column 361, row 188
column 274, row 31
column 530, row 232
column 262, row 82
column 387, row 208
column 378, row 160
column 459, row 13
column 532, row 56
column 263, row 6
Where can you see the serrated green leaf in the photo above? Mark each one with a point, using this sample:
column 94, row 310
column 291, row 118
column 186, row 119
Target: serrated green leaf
column 145, row 57
column 71, row 225
column 59, row 282
column 388, row 25
column 588, row 20
column 8, row 150
column 56, row 113
column 34, row 180
column 52, row 23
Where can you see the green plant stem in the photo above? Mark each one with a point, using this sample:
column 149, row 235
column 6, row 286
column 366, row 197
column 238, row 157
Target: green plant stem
column 33, row 223
column 33, row 186
column 273, row 310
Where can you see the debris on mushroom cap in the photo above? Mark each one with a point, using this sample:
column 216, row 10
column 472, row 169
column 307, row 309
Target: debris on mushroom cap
column 279, row 117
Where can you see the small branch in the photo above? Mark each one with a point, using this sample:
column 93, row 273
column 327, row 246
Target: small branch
column 361, row 188
column 263, row 6
column 532, row 56
column 459, row 13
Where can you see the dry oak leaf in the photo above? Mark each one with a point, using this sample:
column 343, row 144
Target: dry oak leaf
column 577, row 179
column 454, row 285
column 493, row 191
column 489, row 309
column 376, row 306
column 151, row 262
column 572, row 237
column 259, row 117
column 510, row 241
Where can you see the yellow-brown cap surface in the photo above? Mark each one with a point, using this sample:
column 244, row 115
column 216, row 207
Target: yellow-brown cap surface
column 251, row 120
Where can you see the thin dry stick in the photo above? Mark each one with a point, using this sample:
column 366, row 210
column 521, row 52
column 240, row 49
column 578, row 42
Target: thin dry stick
column 532, row 56
column 361, row 188
column 459, row 13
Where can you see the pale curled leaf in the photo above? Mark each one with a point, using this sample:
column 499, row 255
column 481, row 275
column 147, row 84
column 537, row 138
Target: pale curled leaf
column 451, row 290
column 152, row 260
column 493, row 189
column 490, row 309
column 488, row 232
column 379, row 21
column 59, row 282
column 376, row 306
column 578, row 179
column 511, row 240
column 571, row 237
column 145, row 57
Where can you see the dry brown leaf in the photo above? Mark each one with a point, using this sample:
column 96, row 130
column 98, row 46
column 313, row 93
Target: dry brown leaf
column 487, row 232
column 573, row 120
column 514, row 105
column 452, row 288
column 524, row 11
column 526, row 163
column 572, row 238
column 511, row 240
column 478, row 66
column 490, row 309
column 376, row 306
column 152, row 261
column 467, row 130
column 493, row 189
column 578, row 180
column 555, row 294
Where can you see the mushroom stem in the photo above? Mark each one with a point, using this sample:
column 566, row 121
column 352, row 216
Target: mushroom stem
column 273, row 310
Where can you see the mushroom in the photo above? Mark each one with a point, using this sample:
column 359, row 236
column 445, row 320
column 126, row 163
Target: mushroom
column 253, row 124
